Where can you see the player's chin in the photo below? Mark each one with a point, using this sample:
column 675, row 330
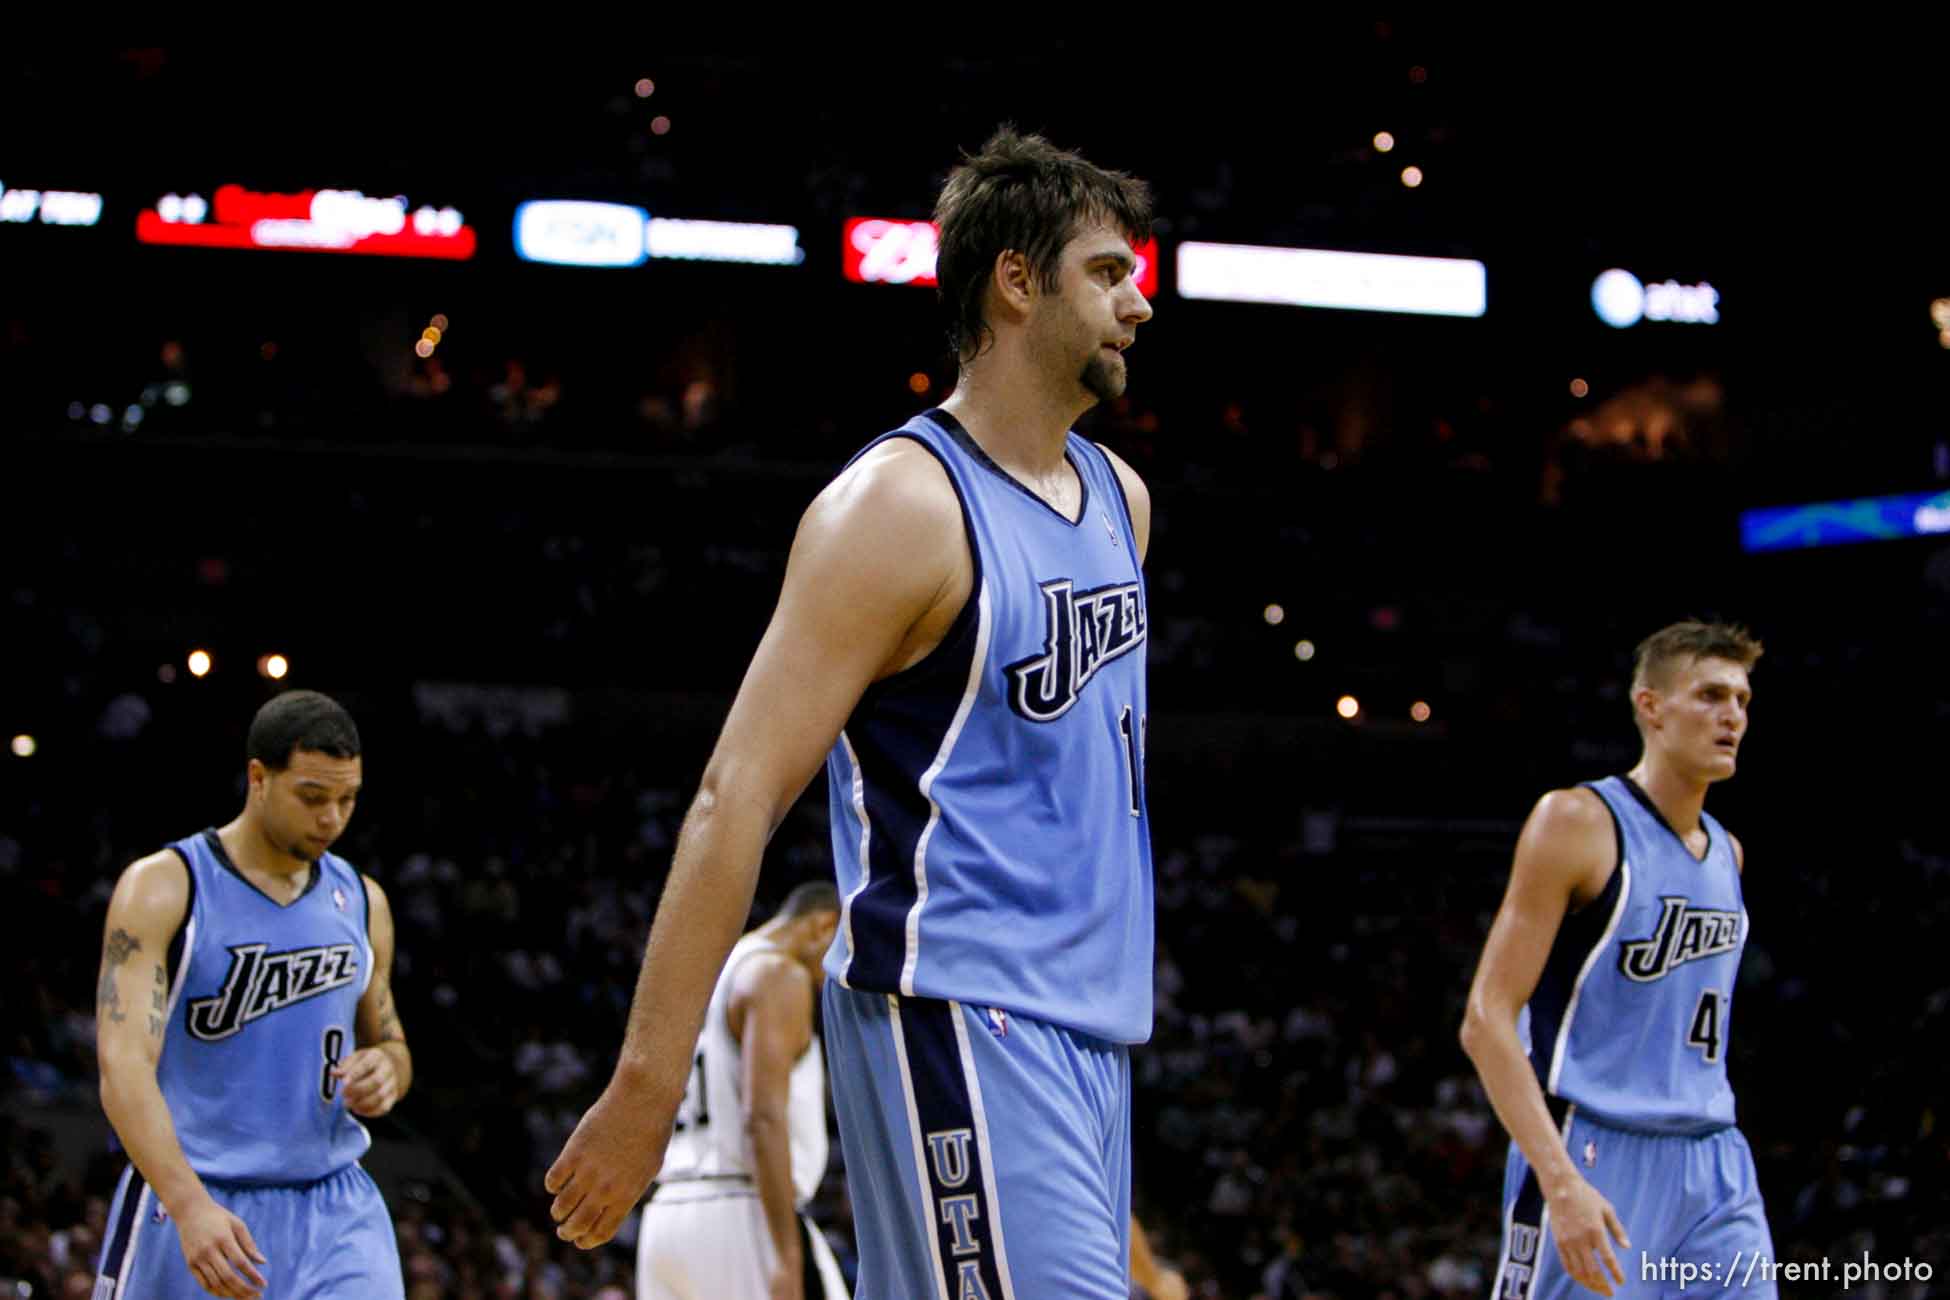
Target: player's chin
column 1105, row 378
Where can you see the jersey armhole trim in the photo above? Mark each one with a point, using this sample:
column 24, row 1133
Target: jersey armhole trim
column 173, row 950
column 1117, row 482
column 1618, row 852
column 965, row 616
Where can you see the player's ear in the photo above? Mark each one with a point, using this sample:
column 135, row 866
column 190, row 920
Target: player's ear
column 257, row 775
column 1013, row 282
column 1646, row 703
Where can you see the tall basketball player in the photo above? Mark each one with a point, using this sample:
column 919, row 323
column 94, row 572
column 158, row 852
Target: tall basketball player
column 1611, row 967
column 245, row 1018
column 724, row 1221
column 961, row 639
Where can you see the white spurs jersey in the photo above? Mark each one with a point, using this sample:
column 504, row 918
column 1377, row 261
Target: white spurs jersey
column 709, row 1144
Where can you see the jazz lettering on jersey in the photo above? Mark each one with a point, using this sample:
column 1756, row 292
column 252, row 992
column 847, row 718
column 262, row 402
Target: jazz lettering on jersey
column 261, row 982
column 1685, row 933
column 1083, row 631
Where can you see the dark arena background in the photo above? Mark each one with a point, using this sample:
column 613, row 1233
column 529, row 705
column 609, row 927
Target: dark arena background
column 515, row 483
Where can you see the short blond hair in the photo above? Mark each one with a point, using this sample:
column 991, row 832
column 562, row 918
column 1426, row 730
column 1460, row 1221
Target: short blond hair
column 1688, row 642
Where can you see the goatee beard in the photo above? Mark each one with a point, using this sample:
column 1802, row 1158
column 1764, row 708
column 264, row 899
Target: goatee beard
column 1102, row 379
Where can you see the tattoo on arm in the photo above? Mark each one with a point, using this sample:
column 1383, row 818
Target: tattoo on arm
column 158, row 1004
column 117, row 950
column 389, row 1026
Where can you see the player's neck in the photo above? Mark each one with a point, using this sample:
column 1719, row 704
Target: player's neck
column 257, row 856
column 1679, row 800
column 1010, row 411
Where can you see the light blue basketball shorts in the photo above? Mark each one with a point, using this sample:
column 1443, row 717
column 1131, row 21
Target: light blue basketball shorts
column 328, row 1240
column 988, row 1155
column 1690, row 1205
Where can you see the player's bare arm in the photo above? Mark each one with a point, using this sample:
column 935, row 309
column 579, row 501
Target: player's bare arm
column 144, row 914
column 771, row 1016
column 879, row 566
column 379, row 1073
column 1564, row 857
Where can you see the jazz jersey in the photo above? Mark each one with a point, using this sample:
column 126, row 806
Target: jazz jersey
column 1630, row 1018
column 990, row 833
column 261, row 1004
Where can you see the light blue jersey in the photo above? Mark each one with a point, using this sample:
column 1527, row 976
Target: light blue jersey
column 1627, row 1031
column 1630, row 1018
column 262, row 998
column 988, row 813
column 261, row 1006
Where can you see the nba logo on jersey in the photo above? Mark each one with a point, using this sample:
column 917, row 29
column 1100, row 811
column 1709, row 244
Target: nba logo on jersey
column 998, row 1022
column 338, row 899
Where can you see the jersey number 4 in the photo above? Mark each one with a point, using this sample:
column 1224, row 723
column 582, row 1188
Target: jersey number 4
column 1708, row 1032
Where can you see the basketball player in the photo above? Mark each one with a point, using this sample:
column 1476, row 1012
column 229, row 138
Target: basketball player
column 1611, row 966
column 750, row 1142
column 961, row 638
column 246, row 1016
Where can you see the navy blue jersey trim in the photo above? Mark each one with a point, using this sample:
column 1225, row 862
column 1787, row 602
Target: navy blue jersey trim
column 1638, row 793
column 1579, row 933
column 948, row 652
column 951, row 1147
column 115, row 1258
column 1523, row 1246
column 949, row 425
column 214, row 843
column 1117, row 481
column 174, row 959
column 893, row 754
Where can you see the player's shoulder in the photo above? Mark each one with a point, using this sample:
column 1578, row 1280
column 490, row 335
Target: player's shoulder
column 1137, row 497
column 156, row 884
column 1571, row 832
column 763, row 967
column 897, row 472
column 894, row 502
column 1132, row 481
column 375, row 892
column 1572, row 808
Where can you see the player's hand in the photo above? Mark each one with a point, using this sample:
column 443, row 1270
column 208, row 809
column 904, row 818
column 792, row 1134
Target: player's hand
column 219, row 1251
column 1171, row 1286
column 607, row 1163
column 370, row 1080
column 786, row 1283
column 1581, row 1219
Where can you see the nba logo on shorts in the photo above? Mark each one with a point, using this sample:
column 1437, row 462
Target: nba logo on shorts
column 998, row 1022
column 1590, row 1154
